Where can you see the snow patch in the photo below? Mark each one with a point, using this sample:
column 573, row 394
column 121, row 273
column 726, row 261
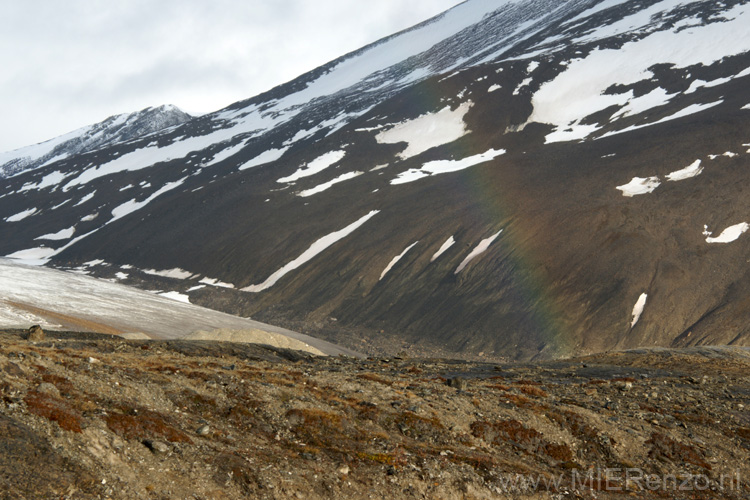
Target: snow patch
column 521, row 85
column 691, row 170
column 728, row 235
column 395, row 260
column 438, row 167
column 179, row 297
column 638, row 309
column 215, row 282
column 692, row 109
column 226, row 153
column 62, row 234
column 697, row 84
column 478, row 250
column 636, row 105
column 48, row 180
column 21, row 215
column 448, row 243
column 317, row 247
column 85, row 199
column 494, row 88
column 322, row 187
column 639, row 185
column 263, row 158
column 316, row 166
column 176, row 273
column 427, row 131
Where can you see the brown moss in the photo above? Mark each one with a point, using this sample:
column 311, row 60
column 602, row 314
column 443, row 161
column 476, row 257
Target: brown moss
column 54, row 409
column 694, row 418
column 505, row 431
column 527, row 382
column 144, row 424
column 417, row 427
column 480, row 462
column 514, row 433
column 499, row 387
column 196, row 402
column 520, row 401
column 313, row 416
column 665, row 447
column 326, row 430
column 374, row 378
column 595, row 382
column 534, row 391
column 558, row 452
column 64, row 385
column 576, row 424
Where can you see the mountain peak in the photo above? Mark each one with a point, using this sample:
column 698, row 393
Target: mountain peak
column 110, row 131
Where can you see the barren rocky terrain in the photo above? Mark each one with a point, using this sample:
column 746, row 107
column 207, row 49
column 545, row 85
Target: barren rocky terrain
column 90, row 416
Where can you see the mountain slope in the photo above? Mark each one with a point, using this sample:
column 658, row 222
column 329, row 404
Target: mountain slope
column 512, row 178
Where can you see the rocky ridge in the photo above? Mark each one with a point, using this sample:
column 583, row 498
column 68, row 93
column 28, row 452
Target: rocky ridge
column 114, row 130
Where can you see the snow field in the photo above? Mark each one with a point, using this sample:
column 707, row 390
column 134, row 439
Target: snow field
column 427, row 131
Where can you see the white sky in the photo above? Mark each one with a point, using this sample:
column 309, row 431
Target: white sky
column 66, row 64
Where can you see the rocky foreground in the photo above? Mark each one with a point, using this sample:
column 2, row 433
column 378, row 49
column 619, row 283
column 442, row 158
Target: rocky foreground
column 86, row 416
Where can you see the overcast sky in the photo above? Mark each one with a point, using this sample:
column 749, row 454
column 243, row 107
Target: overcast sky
column 66, row 64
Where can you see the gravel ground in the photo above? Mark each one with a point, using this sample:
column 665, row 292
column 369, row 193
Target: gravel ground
column 94, row 416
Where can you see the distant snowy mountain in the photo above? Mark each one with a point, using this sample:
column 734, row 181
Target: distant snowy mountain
column 113, row 130
column 511, row 178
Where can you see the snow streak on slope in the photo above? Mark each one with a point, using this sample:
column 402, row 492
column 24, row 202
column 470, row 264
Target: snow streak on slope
column 314, row 167
column 322, row 187
column 62, row 234
column 638, row 309
column 395, row 260
column 132, row 205
column 478, row 250
column 263, row 158
column 445, row 166
column 316, row 248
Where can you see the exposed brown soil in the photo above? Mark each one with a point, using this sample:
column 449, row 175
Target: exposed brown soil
column 86, row 416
